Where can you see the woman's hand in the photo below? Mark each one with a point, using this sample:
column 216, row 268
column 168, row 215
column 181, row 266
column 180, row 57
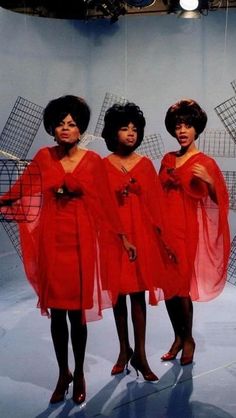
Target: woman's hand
column 201, row 172
column 130, row 248
column 170, row 253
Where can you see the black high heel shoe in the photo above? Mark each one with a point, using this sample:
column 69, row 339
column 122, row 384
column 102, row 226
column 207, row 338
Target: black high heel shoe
column 188, row 352
column 119, row 367
column 61, row 388
column 79, row 389
column 148, row 375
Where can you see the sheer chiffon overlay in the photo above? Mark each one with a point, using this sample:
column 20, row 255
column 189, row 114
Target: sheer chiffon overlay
column 73, row 245
column 139, row 200
column 198, row 227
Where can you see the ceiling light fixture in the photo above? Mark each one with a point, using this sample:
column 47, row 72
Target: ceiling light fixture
column 193, row 9
column 189, row 4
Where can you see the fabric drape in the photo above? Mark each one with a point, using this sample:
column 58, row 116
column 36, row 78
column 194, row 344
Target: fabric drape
column 138, row 195
column 74, row 244
column 198, row 226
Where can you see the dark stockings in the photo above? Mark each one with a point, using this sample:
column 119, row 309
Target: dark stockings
column 138, row 314
column 121, row 320
column 60, row 337
column 180, row 310
column 78, row 339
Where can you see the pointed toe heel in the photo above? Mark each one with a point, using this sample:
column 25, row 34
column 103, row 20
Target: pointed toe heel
column 79, row 390
column 168, row 356
column 146, row 372
column 172, row 353
column 120, row 367
column 61, row 388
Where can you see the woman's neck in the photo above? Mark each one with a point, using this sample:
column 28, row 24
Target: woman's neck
column 124, row 162
column 68, row 150
column 125, row 156
column 190, row 150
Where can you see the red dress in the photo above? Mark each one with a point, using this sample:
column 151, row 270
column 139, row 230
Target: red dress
column 70, row 249
column 198, row 227
column 138, row 196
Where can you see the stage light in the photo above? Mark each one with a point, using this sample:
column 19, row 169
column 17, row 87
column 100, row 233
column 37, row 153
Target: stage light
column 110, row 8
column 189, row 4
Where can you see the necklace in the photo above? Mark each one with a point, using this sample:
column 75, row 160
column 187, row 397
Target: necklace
column 125, row 163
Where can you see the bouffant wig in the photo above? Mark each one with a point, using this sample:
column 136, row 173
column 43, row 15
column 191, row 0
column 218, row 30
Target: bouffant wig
column 119, row 116
column 59, row 108
column 186, row 111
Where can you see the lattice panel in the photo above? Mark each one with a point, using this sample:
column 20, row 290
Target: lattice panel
column 20, row 190
column 232, row 263
column 13, row 234
column 86, row 138
column 227, row 113
column 152, row 146
column 109, row 100
column 21, row 127
column 233, row 84
column 217, row 143
column 15, row 141
column 10, row 171
column 230, row 178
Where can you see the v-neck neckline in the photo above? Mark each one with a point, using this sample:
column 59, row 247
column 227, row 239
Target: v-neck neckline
column 186, row 161
column 76, row 166
column 126, row 171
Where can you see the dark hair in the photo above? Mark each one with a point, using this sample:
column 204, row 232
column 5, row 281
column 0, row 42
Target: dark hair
column 121, row 115
column 186, row 111
column 58, row 109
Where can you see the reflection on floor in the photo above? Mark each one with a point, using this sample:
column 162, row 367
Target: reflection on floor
column 28, row 370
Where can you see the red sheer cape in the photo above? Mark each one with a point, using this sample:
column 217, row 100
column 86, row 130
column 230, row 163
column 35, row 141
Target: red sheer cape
column 198, row 227
column 139, row 201
column 96, row 245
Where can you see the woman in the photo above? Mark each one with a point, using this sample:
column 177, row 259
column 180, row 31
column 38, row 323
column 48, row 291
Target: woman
column 137, row 190
column 197, row 202
column 75, row 242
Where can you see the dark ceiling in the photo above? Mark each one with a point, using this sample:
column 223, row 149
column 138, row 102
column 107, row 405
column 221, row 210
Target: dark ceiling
column 112, row 9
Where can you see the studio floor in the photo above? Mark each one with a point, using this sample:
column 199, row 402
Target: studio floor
column 28, row 370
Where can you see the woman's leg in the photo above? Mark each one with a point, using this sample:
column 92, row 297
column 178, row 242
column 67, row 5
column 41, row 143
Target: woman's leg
column 121, row 320
column 188, row 341
column 175, row 312
column 60, row 336
column 180, row 310
column 139, row 359
column 187, row 314
column 78, row 340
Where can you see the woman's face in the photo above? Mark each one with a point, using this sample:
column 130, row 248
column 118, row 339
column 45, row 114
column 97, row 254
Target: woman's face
column 67, row 132
column 185, row 134
column 127, row 135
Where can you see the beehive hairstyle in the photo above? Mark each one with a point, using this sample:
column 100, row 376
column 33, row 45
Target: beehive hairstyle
column 59, row 108
column 186, row 111
column 118, row 116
